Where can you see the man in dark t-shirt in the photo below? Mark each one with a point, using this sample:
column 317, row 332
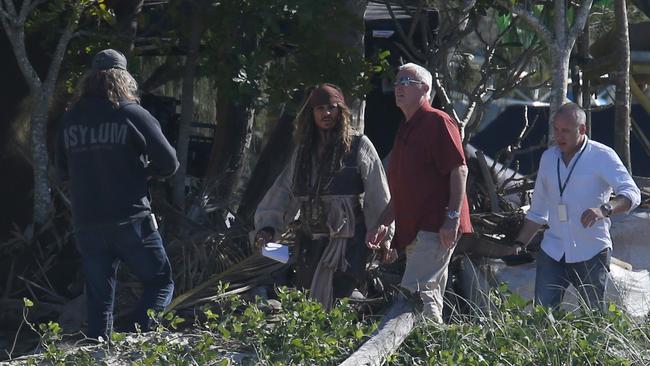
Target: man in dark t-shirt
column 108, row 148
column 426, row 175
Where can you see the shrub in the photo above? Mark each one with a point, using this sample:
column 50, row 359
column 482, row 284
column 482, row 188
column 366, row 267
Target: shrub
column 300, row 332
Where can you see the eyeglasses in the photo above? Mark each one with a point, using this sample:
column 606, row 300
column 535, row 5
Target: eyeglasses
column 406, row 80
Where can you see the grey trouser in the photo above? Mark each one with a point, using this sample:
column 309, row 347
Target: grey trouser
column 427, row 263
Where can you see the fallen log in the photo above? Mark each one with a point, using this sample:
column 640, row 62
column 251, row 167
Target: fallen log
column 396, row 325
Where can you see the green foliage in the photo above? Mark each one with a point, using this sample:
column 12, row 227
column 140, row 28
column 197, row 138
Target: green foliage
column 263, row 50
column 507, row 335
column 58, row 13
column 53, row 354
column 379, row 64
column 301, row 332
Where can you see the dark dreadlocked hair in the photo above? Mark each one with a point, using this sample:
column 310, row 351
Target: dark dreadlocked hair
column 306, row 141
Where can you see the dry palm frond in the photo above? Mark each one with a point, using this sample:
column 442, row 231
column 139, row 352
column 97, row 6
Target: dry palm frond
column 244, row 275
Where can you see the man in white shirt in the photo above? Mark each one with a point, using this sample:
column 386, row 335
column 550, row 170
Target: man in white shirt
column 574, row 184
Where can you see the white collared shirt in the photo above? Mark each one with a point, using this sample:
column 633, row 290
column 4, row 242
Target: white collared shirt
column 597, row 173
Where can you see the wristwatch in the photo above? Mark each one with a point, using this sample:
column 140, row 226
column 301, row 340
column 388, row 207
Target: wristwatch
column 607, row 209
column 452, row 214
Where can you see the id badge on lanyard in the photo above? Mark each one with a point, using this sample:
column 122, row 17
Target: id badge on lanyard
column 562, row 212
column 562, row 209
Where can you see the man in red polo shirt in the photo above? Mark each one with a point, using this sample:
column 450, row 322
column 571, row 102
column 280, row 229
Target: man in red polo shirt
column 426, row 176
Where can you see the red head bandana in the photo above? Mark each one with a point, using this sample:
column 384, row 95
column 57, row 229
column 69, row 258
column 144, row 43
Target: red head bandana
column 326, row 94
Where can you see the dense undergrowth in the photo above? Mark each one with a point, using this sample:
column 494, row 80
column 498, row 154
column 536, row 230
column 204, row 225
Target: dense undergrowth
column 301, row 332
column 231, row 330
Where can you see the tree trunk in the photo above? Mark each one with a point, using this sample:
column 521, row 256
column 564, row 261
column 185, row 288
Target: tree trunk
column 229, row 150
column 622, row 119
column 126, row 24
column 42, row 198
column 41, row 92
column 558, row 84
column 576, row 84
column 357, row 114
column 273, row 159
column 585, row 90
column 187, row 107
column 235, row 152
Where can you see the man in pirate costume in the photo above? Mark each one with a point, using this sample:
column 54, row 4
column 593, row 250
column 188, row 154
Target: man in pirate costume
column 336, row 179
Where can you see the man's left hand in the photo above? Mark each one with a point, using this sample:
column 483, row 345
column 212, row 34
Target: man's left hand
column 449, row 232
column 590, row 216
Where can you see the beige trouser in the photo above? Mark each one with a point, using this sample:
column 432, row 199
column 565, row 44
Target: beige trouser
column 427, row 262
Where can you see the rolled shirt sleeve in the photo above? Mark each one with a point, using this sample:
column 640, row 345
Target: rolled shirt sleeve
column 616, row 175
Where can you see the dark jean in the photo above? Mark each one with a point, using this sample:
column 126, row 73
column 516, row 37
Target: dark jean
column 588, row 277
column 140, row 247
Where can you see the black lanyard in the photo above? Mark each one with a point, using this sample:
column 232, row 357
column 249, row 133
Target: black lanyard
column 559, row 182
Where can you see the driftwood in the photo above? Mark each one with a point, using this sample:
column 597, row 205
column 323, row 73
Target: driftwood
column 396, row 325
column 489, row 182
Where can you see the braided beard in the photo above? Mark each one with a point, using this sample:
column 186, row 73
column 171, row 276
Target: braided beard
column 304, row 180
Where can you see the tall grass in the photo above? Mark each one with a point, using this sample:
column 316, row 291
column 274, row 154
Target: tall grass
column 506, row 333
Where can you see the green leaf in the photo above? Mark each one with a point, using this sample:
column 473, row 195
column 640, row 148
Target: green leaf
column 118, row 337
column 28, row 303
column 225, row 333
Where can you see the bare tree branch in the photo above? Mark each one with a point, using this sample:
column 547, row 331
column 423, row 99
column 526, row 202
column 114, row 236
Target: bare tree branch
column 580, row 19
column 16, row 36
column 4, row 16
column 407, row 41
column 34, row 5
column 24, row 11
column 10, row 8
column 444, row 98
column 559, row 21
column 469, row 114
column 7, row 24
column 416, row 20
column 406, row 51
column 59, row 53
